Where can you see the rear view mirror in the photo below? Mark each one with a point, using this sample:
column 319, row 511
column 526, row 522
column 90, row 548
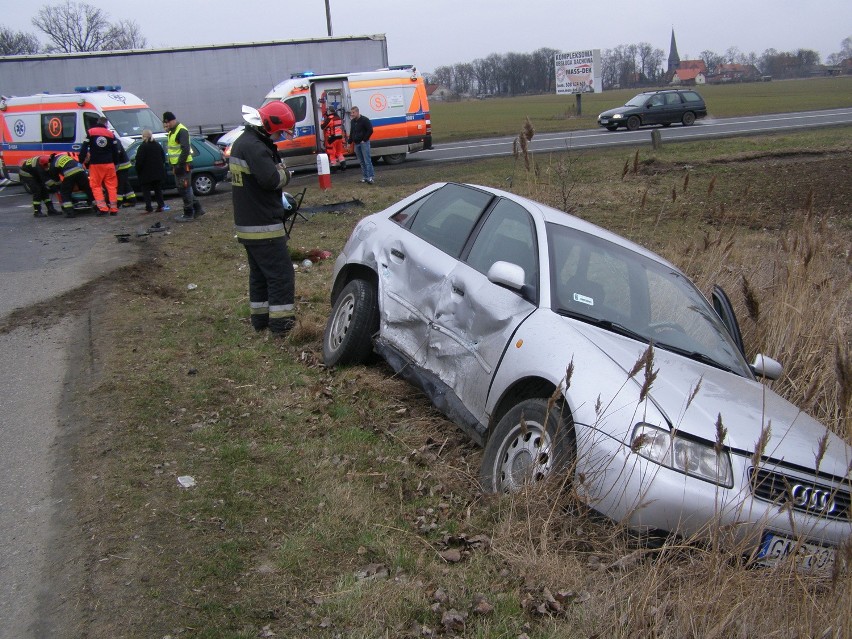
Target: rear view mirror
column 764, row 366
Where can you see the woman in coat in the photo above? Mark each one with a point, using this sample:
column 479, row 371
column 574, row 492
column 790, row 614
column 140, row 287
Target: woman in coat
column 151, row 169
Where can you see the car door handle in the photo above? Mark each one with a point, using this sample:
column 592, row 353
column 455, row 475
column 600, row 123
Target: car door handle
column 458, row 291
column 398, row 254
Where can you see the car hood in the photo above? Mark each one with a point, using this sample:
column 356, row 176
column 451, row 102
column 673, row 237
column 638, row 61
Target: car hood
column 745, row 405
column 621, row 109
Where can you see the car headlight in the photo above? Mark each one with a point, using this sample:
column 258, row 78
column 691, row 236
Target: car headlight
column 696, row 459
column 617, row 116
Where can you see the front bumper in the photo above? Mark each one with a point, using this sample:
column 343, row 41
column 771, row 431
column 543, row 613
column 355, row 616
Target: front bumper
column 646, row 496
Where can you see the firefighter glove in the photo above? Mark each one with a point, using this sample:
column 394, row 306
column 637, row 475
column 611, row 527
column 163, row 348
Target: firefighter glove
column 284, row 176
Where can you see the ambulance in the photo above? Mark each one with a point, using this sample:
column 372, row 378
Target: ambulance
column 57, row 122
column 394, row 99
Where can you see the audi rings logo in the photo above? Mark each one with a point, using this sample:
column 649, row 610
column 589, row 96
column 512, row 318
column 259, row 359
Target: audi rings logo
column 812, row 498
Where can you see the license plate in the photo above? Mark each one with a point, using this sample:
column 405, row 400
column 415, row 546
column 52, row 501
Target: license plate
column 808, row 557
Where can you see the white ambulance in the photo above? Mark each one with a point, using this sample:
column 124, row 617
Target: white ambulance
column 57, row 122
column 394, row 99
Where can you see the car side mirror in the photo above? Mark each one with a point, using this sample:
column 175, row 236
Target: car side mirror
column 507, row 274
column 764, row 366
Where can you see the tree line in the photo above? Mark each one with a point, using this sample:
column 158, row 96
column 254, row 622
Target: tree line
column 72, row 27
column 77, row 26
column 630, row 65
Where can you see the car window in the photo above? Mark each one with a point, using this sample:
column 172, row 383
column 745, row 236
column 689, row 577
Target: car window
column 446, row 217
column 672, row 98
column 637, row 100
column 596, row 280
column 657, row 100
column 691, row 96
column 508, row 235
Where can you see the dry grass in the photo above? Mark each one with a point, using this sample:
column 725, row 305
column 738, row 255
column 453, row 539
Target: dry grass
column 339, row 504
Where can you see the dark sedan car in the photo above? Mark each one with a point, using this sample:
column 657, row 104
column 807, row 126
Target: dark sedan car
column 208, row 166
column 656, row 107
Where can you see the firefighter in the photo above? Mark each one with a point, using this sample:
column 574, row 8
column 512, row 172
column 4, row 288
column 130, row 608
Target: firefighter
column 258, row 176
column 100, row 153
column 332, row 127
column 67, row 173
column 35, row 179
column 126, row 194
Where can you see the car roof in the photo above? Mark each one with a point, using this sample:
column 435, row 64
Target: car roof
column 555, row 216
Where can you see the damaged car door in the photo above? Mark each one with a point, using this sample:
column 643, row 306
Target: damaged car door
column 475, row 317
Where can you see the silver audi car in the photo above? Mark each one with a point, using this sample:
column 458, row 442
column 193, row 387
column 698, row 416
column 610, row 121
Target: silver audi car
column 567, row 350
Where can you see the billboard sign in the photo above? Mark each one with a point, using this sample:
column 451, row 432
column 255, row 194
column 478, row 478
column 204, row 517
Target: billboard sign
column 578, row 72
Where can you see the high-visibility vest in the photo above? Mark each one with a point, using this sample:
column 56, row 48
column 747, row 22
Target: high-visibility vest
column 173, row 149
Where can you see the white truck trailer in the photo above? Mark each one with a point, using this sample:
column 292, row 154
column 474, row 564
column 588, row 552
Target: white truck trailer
column 205, row 86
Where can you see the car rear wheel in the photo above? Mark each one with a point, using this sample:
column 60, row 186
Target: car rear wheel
column 394, row 158
column 688, row 118
column 633, row 122
column 354, row 318
column 530, row 443
column 611, row 127
column 203, row 184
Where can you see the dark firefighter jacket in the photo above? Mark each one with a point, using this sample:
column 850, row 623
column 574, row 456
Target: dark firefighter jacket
column 100, row 147
column 256, row 187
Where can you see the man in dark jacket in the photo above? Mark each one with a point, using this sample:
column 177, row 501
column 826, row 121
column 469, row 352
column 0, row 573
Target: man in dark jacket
column 151, row 170
column 257, row 178
column 359, row 135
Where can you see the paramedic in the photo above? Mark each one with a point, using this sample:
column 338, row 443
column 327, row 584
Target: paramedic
column 66, row 173
column 258, row 176
column 179, row 152
column 359, row 135
column 332, row 127
column 35, row 179
column 100, row 153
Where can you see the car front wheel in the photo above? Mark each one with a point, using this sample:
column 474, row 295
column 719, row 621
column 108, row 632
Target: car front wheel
column 688, row 118
column 530, row 443
column 203, row 184
column 633, row 122
column 354, row 318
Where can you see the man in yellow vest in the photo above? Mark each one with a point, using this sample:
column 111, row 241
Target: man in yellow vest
column 179, row 153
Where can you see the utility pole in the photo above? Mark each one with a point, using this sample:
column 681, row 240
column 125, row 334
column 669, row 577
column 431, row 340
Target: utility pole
column 328, row 17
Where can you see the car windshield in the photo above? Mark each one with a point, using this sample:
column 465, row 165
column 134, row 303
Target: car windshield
column 637, row 100
column 131, row 122
column 611, row 286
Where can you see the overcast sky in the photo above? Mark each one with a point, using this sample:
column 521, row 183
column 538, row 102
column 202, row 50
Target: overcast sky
column 432, row 33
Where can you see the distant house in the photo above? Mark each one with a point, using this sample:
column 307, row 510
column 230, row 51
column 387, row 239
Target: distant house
column 439, row 92
column 734, row 73
column 689, row 72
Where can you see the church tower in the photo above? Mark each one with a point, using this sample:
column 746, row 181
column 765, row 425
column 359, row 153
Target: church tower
column 674, row 58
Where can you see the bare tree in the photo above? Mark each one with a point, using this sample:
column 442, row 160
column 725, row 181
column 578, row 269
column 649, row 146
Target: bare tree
column 17, row 42
column 125, row 34
column 78, row 26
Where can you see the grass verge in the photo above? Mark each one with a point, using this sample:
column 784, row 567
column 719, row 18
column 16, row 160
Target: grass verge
column 339, row 504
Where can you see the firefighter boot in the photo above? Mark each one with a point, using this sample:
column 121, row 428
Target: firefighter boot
column 51, row 210
column 37, row 211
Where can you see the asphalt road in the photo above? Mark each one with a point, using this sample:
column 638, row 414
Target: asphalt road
column 40, row 259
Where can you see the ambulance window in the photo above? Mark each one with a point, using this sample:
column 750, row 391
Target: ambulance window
column 90, row 120
column 58, row 127
column 299, row 105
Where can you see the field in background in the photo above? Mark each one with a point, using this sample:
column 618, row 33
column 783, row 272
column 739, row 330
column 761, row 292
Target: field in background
column 504, row 116
column 340, row 504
